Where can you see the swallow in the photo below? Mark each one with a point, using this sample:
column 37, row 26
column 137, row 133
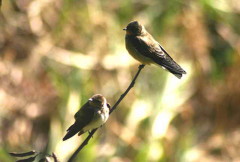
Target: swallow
column 93, row 114
column 144, row 48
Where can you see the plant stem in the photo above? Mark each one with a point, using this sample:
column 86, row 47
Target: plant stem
column 85, row 142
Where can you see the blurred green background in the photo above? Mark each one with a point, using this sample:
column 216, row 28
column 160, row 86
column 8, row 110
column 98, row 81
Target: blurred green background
column 55, row 54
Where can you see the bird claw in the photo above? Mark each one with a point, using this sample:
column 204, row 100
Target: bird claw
column 89, row 132
column 141, row 66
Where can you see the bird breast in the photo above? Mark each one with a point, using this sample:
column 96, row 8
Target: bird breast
column 134, row 52
column 104, row 114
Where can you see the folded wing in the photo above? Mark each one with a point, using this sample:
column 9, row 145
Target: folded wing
column 151, row 49
column 82, row 118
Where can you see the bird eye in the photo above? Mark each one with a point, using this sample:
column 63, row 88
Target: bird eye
column 97, row 101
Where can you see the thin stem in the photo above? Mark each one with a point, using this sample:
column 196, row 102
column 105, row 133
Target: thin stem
column 128, row 89
column 85, row 142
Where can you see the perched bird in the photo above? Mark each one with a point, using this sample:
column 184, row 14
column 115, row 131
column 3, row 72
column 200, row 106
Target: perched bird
column 93, row 114
column 144, row 48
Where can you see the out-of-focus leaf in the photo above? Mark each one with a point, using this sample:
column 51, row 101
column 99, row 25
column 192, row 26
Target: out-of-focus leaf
column 23, row 154
column 28, row 159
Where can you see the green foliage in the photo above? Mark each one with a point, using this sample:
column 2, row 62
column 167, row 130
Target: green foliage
column 56, row 54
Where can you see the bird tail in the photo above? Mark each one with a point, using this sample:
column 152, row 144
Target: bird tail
column 169, row 64
column 71, row 131
column 178, row 74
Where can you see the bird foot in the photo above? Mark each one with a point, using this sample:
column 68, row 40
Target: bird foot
column 89, row 132
column 141, row 66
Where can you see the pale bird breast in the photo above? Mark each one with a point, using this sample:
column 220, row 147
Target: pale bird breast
column 132, row 50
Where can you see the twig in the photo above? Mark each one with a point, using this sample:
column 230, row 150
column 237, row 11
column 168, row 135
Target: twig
column 85, row 142
column 128, row 89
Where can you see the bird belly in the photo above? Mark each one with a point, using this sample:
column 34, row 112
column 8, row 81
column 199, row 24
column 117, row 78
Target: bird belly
column 135, row 54
column 99, row 120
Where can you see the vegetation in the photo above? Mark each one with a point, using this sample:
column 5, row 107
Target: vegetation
column 55, row 54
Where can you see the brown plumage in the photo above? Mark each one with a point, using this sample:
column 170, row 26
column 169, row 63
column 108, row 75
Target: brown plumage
column 144, row 48
column 91, row 115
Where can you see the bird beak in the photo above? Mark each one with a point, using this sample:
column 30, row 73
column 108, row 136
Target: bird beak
column 125, row 29
column 90, row 99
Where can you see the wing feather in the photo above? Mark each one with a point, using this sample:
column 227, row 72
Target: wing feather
column 82, row 118
column 149, row 48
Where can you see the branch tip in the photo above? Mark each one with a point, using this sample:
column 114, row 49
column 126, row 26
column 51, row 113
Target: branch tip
column 85, row 142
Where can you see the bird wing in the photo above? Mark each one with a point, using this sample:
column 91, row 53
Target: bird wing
column 150, row 48
column 170, row 62
column 109, row 106
column 82, row 118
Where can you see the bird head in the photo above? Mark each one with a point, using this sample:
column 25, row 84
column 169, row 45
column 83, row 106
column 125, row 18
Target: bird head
column 97, row 100
column 134, row 28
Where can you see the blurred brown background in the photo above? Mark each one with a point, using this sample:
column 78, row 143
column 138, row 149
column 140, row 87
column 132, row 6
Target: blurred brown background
column 55, row 54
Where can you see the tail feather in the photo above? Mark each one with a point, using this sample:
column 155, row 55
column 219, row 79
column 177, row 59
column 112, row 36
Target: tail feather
column 178, row 75
column 168, row 63
column 72, row 130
